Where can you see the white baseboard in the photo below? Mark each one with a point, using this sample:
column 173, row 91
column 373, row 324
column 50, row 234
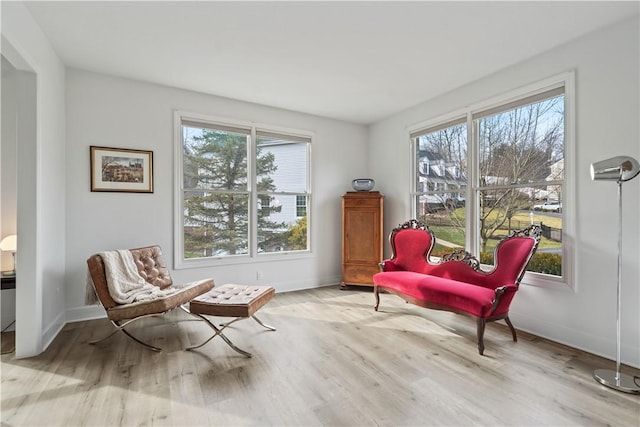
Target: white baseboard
column 90, row 312
column 53, row 330
column 308, row 284
column 87, row 312
column 576, row 338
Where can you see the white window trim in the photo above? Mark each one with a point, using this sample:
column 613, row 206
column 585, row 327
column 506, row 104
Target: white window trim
column 178, row 202
column 566, row 79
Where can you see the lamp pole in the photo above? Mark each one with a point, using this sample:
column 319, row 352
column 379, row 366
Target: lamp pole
column 617, row 380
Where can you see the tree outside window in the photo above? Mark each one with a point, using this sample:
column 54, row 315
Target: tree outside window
column 519, row 157
column 219, row 188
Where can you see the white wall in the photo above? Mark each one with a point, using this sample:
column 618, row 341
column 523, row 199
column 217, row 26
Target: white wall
column 40, row 300
column 606, row 64
column 8, row 187
column 8, row 158
column 114, row 112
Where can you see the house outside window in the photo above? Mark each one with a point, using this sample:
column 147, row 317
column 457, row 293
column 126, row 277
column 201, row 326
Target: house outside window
column 284, row 183
column 502, row 168
column 440, row 199
column 239, row 191
column 301, row 206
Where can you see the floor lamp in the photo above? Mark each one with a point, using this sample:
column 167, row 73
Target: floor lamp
column 619, row 169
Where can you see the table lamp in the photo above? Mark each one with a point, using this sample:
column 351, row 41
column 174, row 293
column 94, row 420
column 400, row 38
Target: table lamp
column 10, row 244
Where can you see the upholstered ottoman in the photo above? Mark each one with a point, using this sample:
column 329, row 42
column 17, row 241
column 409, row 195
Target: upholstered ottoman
column 239, row 301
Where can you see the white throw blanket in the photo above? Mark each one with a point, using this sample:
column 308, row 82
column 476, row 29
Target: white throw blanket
column 125, row 283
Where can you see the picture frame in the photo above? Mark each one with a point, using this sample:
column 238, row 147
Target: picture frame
column 121, row 170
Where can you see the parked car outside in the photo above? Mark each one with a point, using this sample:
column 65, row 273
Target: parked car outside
column 548, row 207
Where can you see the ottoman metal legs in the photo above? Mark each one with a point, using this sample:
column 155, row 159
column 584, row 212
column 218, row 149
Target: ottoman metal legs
column 229, row 300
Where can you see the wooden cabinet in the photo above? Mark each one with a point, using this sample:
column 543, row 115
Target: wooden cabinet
column 362, row 236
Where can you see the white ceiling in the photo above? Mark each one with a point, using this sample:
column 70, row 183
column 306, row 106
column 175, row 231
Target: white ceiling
column 354, row 61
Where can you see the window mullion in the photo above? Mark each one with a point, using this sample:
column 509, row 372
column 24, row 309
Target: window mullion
column 252, row 183
column 472, row 220
column 178, row 226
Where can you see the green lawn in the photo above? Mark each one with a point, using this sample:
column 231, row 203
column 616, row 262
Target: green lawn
column 456, row 236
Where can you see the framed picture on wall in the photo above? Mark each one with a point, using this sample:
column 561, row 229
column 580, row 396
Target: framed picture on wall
column 121, row 170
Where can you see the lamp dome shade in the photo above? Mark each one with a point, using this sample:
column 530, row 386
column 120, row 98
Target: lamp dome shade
column 619, row 168
column 9, row 243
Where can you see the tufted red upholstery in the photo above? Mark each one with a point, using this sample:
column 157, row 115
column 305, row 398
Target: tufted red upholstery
column 511, row 256
column 456, row 285
column 411, row 249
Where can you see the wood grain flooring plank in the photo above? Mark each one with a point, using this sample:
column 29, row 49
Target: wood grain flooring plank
column 332, row 361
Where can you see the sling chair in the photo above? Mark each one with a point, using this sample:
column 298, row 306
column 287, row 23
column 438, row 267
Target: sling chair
column 153, row 268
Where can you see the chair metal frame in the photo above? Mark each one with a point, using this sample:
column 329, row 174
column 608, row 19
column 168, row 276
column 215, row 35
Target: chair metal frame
column 223, row 326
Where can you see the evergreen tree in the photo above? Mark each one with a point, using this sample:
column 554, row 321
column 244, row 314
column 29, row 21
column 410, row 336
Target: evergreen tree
column 216, row 203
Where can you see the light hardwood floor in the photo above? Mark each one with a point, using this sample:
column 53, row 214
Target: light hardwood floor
column 332, row 361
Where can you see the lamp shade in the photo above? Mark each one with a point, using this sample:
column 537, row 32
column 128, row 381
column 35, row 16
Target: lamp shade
column 619, row 168
column 9, row 243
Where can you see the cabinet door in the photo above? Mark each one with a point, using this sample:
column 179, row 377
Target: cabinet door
column 362, row 235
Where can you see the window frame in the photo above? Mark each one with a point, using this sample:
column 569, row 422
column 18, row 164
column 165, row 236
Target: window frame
column 468, row 115
column 253, row 254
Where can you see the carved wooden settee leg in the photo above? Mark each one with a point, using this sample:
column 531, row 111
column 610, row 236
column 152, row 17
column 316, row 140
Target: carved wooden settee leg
column 377, row 294
column 513, row 330
column 481, row 324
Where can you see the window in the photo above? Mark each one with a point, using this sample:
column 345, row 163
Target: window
column 243, row 191
column 441, row 192
column 495, row 168
column 282, row 180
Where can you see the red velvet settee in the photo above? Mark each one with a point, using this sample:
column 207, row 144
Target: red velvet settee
column 456, row 283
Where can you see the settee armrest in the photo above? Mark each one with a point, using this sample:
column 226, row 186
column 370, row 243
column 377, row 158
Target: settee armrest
column 389, row 265
column 500, row 292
